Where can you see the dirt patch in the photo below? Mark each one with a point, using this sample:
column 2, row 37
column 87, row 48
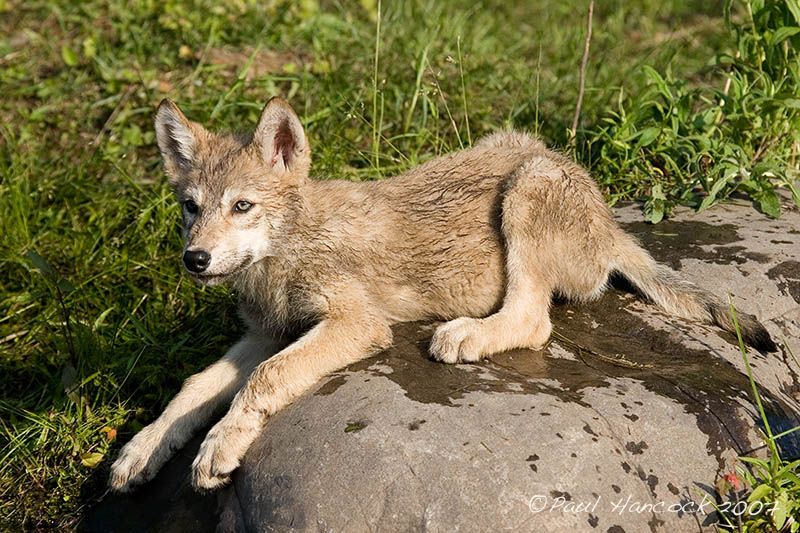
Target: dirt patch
column 264, row 62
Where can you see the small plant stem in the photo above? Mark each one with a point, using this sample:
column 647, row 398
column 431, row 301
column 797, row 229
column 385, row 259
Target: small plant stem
column 73, row 356
column 417, row 88
column 753, row 385
column 375, row 123
column 463, row 90
column 536, row 105
column 582, row 77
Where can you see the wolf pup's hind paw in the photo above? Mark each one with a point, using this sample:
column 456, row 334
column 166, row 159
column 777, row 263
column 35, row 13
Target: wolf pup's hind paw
column 457, row 341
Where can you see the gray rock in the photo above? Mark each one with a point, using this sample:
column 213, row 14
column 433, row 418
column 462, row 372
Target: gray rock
column 168, row 504
column 627, row 419
column 624, row 422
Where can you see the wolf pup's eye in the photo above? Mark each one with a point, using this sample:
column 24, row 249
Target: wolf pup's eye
column 190, row 207
column 242, row 206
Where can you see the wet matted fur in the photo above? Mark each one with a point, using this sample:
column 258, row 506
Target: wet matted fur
column 482, row 238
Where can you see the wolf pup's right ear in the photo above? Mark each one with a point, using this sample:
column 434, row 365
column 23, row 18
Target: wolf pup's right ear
column 282, row 142
column 177, row 138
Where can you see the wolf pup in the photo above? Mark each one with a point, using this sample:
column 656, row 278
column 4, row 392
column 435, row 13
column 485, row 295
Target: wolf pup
column 482, row 238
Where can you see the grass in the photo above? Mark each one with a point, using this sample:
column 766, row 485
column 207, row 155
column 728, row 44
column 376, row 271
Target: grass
column 697, row 144
column 765, row 495
column 98, row 324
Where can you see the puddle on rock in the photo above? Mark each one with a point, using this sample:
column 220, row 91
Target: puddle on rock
column 608, row 343
column 671, row 241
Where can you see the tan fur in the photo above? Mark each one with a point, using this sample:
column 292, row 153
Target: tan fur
column 482, row 238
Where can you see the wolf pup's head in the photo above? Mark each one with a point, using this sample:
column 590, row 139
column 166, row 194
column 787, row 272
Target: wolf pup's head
column 236, row 192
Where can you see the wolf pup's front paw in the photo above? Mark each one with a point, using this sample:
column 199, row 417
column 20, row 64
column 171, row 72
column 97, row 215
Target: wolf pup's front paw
column 136, row 463
column 219, row 455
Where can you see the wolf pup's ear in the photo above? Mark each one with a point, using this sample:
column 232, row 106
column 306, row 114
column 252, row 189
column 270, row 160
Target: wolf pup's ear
column 177, row 138
column 281, row 140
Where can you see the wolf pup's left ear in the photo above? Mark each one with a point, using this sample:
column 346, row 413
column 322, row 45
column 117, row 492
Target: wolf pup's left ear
column 177, row 138
column 281, row 140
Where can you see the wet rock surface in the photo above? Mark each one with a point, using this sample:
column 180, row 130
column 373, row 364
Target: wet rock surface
column 624, row 422
column 168, row 504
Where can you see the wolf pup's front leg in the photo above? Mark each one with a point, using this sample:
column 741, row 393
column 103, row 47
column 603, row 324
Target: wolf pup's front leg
column 329, row 346
column 195, row 404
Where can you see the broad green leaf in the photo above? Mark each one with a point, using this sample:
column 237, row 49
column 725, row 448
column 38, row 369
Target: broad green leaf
column 91, row 459
column 759, row 493
column 69, row 56
column 655, row 207
column 716, row 188
column 65, row 286
column 781, row 510
column 40, row 263
column 654, row 211
column 658, row 80
column 794, row 7
column 769, row 203
column 647, row 136
column 784, row 33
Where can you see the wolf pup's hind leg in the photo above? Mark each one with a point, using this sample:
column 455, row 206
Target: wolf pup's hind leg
column 545, row 252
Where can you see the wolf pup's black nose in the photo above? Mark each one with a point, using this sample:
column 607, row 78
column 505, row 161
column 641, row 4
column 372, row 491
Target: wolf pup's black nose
column 196, row 260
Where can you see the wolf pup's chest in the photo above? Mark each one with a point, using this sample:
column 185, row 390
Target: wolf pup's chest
column 276, row 303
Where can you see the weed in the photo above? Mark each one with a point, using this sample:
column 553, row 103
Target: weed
column 679, row 143
column 771, row 485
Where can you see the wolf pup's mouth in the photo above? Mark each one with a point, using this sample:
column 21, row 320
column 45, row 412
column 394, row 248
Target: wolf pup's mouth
column 210, row 279
column 216, row 279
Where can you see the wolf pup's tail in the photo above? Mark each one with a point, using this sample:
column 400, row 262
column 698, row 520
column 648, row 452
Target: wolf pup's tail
column 677, row 296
